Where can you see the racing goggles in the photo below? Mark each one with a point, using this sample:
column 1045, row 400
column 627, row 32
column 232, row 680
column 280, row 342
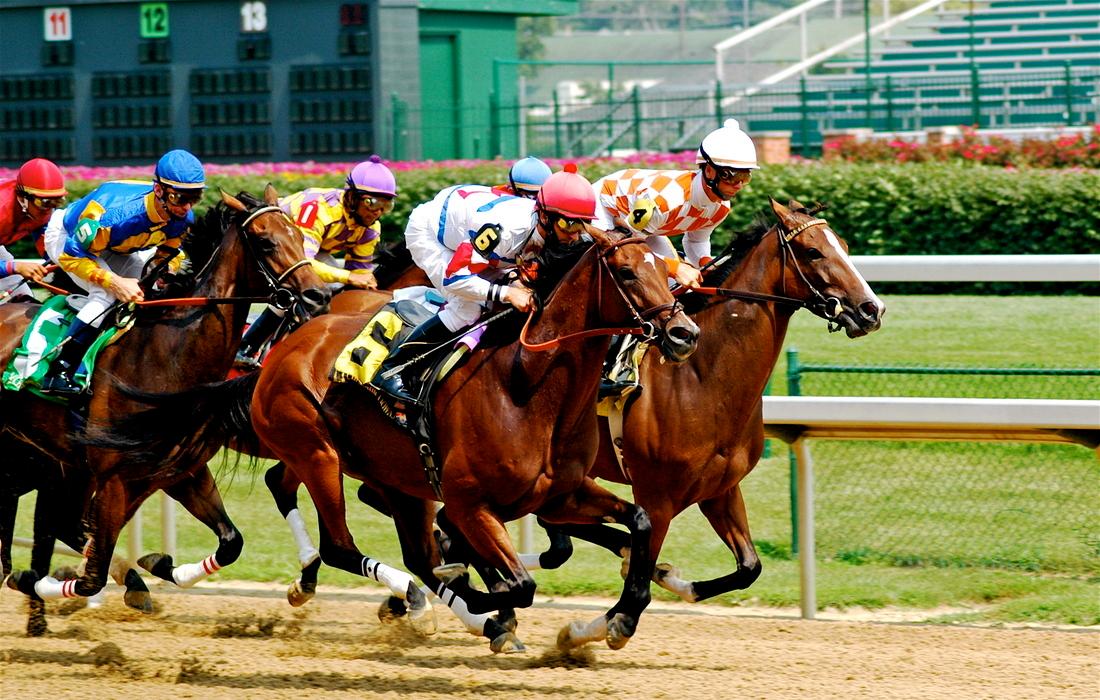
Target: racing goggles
column 47, row 202
column 375, row 203
column 732, row 175
column 180, row 198
column 570, row 225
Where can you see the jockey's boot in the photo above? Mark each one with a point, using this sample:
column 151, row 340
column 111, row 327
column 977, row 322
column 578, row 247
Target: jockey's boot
column 422, row 338
column 254, row 338
column 60, row 379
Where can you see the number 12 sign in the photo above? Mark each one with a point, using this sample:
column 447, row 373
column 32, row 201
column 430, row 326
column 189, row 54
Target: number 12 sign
column 58, row 23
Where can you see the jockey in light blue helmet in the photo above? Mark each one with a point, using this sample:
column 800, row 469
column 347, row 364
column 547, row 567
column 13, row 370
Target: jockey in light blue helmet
column 526, row 176
column 179, row 181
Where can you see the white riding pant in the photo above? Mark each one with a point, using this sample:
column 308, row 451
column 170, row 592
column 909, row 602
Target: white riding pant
column 432, row 257
column 99, row 299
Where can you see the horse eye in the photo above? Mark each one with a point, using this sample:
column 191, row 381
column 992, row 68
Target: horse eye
column 266, row 245
column 626, row 274
column 813, row 254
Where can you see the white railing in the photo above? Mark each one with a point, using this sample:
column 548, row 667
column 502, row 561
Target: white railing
column 795, row 419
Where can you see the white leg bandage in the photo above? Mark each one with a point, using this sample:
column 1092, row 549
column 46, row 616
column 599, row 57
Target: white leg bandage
column 187, row 575
column 474, row 624
column 395, row 580
column 307, row 553
column 49, row 588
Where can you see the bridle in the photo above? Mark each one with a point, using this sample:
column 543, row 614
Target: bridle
column 643, row 319
column 282, row 297
column 828, row 308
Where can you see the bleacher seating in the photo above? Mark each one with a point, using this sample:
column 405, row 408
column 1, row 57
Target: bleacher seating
column 1010, row 63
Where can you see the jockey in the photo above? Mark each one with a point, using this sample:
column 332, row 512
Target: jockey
column 105, row 239
column 26, row 204
column 468, row 238
column 662, row 203
column 333, row 220
column 525, row 177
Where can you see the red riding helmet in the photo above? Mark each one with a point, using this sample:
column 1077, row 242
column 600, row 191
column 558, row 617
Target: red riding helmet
column 40, row 178
column 569, row 194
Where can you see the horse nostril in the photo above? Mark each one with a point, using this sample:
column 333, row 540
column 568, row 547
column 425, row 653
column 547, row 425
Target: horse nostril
column 870, row 311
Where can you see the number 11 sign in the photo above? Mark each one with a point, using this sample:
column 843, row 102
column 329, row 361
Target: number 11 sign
column 58, row 23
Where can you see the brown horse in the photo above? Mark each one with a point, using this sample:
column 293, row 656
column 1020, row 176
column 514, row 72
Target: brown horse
column 251, row 248
column 515, row 429
column 696, row 429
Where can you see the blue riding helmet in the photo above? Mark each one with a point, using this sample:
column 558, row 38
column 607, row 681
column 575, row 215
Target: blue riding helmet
column 528, row 174
column 180, row 170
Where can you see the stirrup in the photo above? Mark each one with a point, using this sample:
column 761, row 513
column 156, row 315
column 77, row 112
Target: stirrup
column 393, row 387
column 61, row 384
column 246, row 362
column 609, row 388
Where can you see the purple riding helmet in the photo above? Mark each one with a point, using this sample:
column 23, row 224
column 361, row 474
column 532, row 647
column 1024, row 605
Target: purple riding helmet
column 372, row 177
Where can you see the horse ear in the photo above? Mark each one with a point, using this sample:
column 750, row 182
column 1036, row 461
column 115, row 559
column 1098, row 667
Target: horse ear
column 781, row 211
column 232, row 201
column 270, row 195
column 795, row 204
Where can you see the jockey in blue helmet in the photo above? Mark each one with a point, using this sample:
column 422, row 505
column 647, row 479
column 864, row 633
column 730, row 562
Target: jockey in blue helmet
column 526, row 176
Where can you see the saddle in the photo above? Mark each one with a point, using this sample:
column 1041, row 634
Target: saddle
column 359, row 361
column 41, row 343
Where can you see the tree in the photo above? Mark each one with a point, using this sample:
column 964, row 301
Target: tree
column 529, row 46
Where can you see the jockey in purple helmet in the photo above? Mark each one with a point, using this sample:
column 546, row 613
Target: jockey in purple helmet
column 337, row 220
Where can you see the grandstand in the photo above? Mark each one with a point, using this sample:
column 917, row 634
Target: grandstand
column 989, row 63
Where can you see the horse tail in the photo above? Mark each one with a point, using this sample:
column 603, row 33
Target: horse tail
column 179, row 428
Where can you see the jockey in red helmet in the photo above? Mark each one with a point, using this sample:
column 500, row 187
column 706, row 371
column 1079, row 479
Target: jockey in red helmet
column 26, row 204
column 466, row 240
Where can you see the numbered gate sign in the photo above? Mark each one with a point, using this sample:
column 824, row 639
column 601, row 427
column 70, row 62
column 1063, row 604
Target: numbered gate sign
column 253, row 16
column 59, row 23
column 154, row 20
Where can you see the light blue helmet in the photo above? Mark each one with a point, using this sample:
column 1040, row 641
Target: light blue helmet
column 528, row 174
column 180, row 170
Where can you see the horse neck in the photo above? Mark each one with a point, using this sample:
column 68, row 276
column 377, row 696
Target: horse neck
column 191, row 344
column 573, row 307
column 743, row 339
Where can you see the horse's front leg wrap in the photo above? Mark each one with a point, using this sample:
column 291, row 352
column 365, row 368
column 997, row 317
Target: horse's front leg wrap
column 187, row 575
column 396, row 580
column 307, row 553
column 49, row 588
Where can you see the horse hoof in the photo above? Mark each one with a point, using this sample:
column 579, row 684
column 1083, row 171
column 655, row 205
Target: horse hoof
column 391, row 610
column 22, row 581
column 507, row 643
column 138, row 600
column 297, row 596
column 509, row 622
column 620, row 629
column 422, row 621
column 449, row 573
column 566, row 637
column 665, row 570
column 159, row 565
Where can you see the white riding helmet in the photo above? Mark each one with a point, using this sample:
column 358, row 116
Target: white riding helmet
column 728, row 147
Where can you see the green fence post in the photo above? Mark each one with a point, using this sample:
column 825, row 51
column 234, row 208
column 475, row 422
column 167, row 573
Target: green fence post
column 889, row 104
column 976, row 99
column 397, row 107
column 767, row 442
column 804, row 98
column 610, row 103
column 1069, row 95
column 794, row 388
column 635, row 97
column 494, row 125
column 557, row 126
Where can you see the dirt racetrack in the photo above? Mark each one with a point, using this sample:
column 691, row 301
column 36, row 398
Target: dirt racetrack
column 219, row 641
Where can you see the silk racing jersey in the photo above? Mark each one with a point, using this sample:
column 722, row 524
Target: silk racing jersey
column 327, row 228
column 14, row 224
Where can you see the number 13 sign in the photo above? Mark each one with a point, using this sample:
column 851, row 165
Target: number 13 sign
column 58, row 23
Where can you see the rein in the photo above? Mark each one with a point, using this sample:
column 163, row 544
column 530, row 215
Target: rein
column 828, row 308
column 277, row 298
column 645, row 326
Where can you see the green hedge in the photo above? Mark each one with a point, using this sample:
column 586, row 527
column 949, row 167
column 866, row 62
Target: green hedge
column 910, row 209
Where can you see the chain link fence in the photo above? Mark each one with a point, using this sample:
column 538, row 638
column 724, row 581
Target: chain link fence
column 1030, row 507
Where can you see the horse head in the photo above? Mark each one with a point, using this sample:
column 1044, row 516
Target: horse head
column 817, row 269
column 276, row 246
column 640, row 279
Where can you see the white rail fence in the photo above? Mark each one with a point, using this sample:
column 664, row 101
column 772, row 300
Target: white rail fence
column 798, row 419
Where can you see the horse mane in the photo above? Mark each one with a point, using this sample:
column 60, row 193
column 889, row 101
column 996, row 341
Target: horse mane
column 734, row 253
column 206, row 234
column 391, row 261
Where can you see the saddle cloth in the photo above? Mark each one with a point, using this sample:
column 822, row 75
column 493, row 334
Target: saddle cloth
column 31, row 361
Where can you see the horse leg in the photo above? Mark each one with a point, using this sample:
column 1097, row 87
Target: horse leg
column 198, row 493
column 109, row 509
column 591, row 504
column 324, row 480
column 283, row 486
column 9, row 506
column 727, row 516
column 561, row 547
column 458, row 550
